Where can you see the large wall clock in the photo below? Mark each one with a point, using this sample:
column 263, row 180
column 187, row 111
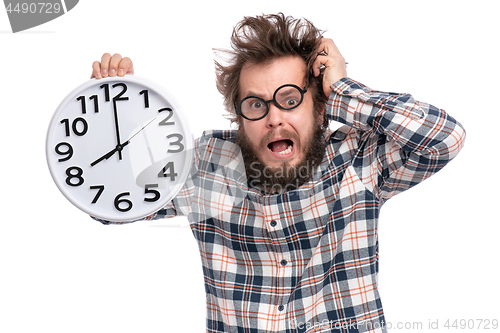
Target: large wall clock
column 118, row 148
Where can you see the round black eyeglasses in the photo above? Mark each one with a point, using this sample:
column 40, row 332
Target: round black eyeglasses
column 286, row 97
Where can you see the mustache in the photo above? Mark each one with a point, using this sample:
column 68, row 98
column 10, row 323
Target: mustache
column 279, row 133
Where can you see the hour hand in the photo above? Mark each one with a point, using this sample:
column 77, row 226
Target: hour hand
column 119, row 147
column 110, row 153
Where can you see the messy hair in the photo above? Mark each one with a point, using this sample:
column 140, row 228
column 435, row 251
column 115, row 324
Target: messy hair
column 261, row 39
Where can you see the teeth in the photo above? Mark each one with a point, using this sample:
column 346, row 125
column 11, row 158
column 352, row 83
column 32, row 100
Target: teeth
column 287, row 150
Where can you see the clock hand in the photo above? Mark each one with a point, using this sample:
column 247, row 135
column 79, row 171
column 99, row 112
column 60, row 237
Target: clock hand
column 143, row 127
column 119, row 147
column 117, row 128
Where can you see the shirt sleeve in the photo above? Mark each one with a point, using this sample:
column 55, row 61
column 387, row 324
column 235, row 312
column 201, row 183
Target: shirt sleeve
column 401, row 141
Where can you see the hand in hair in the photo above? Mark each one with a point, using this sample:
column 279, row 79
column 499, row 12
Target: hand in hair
column 330, row 57
column 112, row 66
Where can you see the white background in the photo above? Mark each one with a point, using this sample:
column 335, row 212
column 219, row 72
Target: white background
column 60, row 271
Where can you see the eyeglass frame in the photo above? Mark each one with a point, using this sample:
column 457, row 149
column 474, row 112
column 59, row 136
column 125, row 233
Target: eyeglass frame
column 302, row 93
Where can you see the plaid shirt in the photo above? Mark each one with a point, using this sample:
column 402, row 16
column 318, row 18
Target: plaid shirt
column 307, row 260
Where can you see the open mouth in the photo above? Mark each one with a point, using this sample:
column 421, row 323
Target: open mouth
column 281, row 147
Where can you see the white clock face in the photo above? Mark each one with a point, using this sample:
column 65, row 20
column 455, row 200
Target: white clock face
column 118, row 148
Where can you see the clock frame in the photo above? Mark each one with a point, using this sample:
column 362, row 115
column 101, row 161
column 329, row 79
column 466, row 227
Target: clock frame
column 119, row 148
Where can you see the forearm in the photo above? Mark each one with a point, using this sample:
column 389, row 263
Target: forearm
column 414, row 126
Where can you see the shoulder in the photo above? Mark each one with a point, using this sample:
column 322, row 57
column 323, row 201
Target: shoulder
column 217, row 148
column 341, row 134
column 215, row 138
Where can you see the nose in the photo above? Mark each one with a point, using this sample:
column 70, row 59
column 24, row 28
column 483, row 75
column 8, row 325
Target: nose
column 274, row 116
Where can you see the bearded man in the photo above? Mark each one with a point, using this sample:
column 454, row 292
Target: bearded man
column 285, row 211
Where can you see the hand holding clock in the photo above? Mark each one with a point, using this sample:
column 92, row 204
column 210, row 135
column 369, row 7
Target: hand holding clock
column 112, row 66
column 156, row 167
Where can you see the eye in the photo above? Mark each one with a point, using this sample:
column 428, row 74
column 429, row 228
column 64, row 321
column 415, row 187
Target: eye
column 288, row 97
column 291, row 102
column 256, row 104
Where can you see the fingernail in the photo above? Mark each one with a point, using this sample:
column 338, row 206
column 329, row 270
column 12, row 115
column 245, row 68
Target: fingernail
column 120, row 72
column 104, row 72
column 112, row 72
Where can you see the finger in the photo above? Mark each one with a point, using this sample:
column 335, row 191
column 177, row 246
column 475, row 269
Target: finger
column 321, row 59
column 319, row 65
column 105, row 64
column 327, row 53
column 125, row 67
column 96, row 70
column 331, row 62
column 113, row 64
column 328, row 47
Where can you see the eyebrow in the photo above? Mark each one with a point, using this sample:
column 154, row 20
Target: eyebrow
column 254, row 94
column 286, row 92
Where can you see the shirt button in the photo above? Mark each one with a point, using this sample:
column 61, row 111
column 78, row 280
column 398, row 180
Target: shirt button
column 273, row 223
column 281, row 308
column 283, row 262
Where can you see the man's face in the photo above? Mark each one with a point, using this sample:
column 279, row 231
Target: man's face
column 282, row 137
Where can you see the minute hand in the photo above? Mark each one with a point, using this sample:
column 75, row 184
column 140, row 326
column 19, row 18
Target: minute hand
column 119, row 147
column 117, row 128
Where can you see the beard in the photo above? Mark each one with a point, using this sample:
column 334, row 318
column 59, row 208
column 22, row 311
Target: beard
column 285, row 177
